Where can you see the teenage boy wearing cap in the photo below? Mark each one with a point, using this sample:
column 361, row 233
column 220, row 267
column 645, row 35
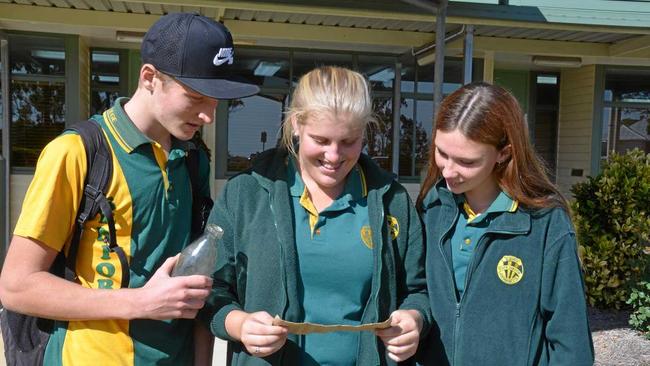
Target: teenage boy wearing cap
column 186, row 68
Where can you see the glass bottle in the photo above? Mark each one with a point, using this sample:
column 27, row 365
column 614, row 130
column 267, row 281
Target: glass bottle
column 200, row 257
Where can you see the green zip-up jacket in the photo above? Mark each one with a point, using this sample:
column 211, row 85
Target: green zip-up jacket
column 257, row 267
column 524, row 301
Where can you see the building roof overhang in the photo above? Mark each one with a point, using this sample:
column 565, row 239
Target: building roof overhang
column 384, row 26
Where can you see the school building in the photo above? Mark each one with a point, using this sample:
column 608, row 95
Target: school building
column 580, row 68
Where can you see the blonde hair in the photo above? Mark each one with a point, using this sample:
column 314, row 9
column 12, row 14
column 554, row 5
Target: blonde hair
column 328, row 89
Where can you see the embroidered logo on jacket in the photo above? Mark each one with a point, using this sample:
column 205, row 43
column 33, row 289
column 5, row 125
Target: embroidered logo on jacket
column 510, row 269
column 366, row 236
column 393, row 226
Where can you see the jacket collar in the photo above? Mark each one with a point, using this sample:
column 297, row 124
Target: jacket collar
column 271, row 165
column 517, row 222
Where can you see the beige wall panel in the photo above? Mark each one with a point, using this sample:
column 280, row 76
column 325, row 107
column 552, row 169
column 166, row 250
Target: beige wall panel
column 577, row 110
column 19, row 184
column 577, row 157
column 575, row 123
column 578, row 98
column 575, row 136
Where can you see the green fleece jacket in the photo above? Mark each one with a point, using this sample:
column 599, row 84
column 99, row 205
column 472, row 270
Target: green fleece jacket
column 257, row 268
column 524, row 299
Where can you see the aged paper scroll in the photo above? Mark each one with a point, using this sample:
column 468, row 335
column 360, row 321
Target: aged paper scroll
column 306, row 328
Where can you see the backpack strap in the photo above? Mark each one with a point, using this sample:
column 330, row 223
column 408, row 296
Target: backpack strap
column 93, row 200
column 201, row 205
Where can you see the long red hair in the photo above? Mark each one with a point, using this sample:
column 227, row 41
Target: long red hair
column 490, row 115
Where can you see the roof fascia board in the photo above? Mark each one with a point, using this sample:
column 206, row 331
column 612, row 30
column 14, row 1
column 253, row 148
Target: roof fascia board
column 535, row 47
column 240, row 29
column 77, row 17
column 140, row 22
column 327, row 8
column 316, row 33
column 630, row 46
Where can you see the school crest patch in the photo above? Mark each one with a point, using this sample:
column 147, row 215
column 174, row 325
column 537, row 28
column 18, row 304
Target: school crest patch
column 510, row 269
column 366, row 236
column 393, row 226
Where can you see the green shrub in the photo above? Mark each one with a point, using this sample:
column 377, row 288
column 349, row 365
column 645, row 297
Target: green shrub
column 640, row 301
column 611, row 214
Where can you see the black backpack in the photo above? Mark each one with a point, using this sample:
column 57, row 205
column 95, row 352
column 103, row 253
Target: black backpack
column 25, row 337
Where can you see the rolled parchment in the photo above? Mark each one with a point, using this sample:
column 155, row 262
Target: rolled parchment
column 306, row 328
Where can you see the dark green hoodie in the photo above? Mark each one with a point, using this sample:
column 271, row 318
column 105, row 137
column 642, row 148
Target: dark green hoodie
column 524, row 299
column 257, row 268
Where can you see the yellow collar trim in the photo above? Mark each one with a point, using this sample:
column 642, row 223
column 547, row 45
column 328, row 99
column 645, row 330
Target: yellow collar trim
column 305, row 201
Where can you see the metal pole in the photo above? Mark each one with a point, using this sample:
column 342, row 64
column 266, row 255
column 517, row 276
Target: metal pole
column 397, row 103
column 468, row 52
column 6, row 148
column 439, row 64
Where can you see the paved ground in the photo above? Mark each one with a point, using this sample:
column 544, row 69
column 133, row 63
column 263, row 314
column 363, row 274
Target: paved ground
column 614, row 342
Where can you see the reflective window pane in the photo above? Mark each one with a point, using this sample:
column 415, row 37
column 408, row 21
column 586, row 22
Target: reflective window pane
column 266, row 68
column 36, row 55
column 37, row 116
column 379, row 137
column 102, row 100
column 379, row 71
column 105, row 81
column 453, row 75
column 408, row 78
column 629, row 85
column 105, row 68
column 253, row 126
column 424, row 120
column 303, row 62
column 415, row 134
column 625, row 129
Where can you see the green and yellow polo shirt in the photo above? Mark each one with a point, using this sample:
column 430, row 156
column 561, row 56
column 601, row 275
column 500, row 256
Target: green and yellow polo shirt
column 335, row 261
column 151, row 198
column 468, row 230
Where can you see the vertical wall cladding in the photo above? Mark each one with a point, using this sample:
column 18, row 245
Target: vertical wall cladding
column 577, row 88
column 84, row 77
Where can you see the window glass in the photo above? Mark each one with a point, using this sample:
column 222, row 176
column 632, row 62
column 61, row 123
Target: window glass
column 379, row 144
column 424, row 118
column 266, row 68
column 303, row 62
column 105, row 79
column 415, row 134
column 408, row 78
column 630, row 85
column 379, row 71
column 254, row 125
column 37, row 116
column 36, row 55
column 546, row 104
column 625, row 129
column 453, row 75
column 37, row 95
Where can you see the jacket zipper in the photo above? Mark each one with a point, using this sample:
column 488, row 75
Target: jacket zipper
column 470, row 271
column 452, row 286
column 282, row 272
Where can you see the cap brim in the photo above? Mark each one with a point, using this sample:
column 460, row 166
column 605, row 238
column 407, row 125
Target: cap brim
column 231, row 88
